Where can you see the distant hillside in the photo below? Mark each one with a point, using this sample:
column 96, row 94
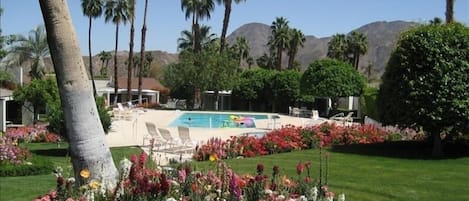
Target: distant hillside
column 382, row 37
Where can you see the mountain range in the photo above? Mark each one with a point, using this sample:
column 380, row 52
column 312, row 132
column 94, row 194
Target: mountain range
column 382, row 37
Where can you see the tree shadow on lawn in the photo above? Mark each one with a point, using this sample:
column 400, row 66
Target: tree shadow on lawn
column 56, row 152
column 404, row 149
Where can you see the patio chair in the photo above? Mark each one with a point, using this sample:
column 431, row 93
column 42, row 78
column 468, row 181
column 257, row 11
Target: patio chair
column 344, row 119
column 296, row 112
column 185, row 137
column 273, row 122
column 166, row 134
column 153, row 134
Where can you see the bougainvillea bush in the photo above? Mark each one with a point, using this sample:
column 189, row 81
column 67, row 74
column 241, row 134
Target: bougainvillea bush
column 140, row 183
column 289, row 138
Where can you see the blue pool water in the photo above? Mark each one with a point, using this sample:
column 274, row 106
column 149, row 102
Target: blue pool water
column 217, row 120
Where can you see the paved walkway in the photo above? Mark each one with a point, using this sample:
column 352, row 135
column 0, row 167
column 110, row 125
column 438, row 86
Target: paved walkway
column 132, row 131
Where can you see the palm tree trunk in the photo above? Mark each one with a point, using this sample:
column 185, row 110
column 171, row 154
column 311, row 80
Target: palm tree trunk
column 142, row 53
column 91, row 58
column 116, row 82
column 449, row 11
column 226, row 20
column 279, row 58
column 88, row 146
column 291, row 59
column 131, row 54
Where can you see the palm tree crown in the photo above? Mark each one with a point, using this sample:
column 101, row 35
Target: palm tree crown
column 33, row 49
column 280, row 38
column 297, row 39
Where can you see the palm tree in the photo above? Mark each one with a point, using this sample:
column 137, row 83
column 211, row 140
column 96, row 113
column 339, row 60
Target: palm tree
column 280, row 38
column 116, row 11
column 449, row 11
column 88, row 146
column 32, row 49
column 142, row 53
column 187, row 39
column 242, row 48
column 104, row 57
column 198, row 10
column 337, row 47
column 92, row 9
column 297, row 39
column 357, row 45
column 226, row 20
column 131, row 48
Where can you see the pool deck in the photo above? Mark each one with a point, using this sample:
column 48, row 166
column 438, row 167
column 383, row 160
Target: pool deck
column 132, row 131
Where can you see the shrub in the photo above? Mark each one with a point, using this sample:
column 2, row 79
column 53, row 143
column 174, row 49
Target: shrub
column 35, row 167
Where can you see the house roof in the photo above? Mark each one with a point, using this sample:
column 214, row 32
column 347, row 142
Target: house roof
column 147, row 83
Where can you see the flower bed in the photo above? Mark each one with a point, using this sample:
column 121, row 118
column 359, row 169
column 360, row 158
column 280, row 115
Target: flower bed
column 290, row 138
column 138, row 182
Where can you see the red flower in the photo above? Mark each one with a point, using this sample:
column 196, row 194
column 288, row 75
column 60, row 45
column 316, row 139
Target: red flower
column 299, row 168
column 260, row 168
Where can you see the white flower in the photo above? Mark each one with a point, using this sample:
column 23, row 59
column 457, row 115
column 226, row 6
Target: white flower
column 125, row 166
column 330, row 198
column 302, row 198
column 268, row 191
column 71, row 180
column 281, row 197
column 314, row 193
column 341, row 197
column 170, row 199
column 174, row 183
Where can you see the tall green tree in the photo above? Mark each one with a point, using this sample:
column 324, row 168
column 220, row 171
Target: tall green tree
column 32, row 49
column 337, row 48
column 241, row 49
column 226, row 20
column 425, row 82
column 331, row 78
column 142, row 52
column 38, row 93
column 92, row 9
column 357, row 44
column 197, row 10
column 131, row 15
column 280, row 38
column 116, row 11
column 87, row 142
column 105, row 57
column 187, row 39
column 297, row 40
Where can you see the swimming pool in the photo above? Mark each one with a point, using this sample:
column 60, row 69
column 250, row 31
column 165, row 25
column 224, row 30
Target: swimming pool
column 217, row 120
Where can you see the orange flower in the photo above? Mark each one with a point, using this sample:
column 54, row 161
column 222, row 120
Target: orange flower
column 85, row 173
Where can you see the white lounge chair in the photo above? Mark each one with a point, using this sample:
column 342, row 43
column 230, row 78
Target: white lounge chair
column 344, row 119
column 159, row 142
column 185, row 137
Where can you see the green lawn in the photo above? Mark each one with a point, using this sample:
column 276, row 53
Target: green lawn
column 361, row 172
column 372, row 178
column 28, row 187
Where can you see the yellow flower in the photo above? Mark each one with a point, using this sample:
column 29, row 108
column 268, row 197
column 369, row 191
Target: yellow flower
column 94, row 185
column 213, row 157
column 85, row 173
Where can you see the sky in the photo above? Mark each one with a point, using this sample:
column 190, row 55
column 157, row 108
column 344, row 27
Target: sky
column 166, row 20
